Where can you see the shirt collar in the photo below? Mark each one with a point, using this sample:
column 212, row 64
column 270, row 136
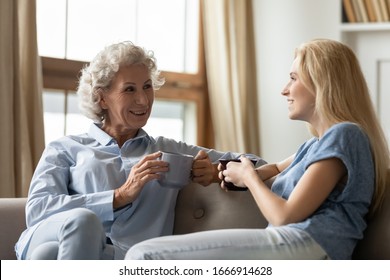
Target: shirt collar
column 105, row 139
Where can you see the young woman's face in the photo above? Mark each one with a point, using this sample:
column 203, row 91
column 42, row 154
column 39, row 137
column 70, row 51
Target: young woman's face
column 130, row 98
column 301, row 102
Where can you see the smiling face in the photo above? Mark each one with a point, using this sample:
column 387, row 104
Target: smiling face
column 128, row 101
column 301, row 101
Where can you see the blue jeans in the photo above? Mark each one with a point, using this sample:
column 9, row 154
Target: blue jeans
column 270, row 244
column 70, row 235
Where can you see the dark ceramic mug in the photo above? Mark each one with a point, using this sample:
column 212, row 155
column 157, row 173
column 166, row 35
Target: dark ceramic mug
column 230, row 186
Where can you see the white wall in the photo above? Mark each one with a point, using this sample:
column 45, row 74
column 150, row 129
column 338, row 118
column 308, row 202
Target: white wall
column 372, row 49
column 280, row 26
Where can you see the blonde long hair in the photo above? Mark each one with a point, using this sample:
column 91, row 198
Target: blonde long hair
column 331, row 70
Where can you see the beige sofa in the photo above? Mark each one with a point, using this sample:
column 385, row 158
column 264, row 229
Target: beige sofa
column 202, row 208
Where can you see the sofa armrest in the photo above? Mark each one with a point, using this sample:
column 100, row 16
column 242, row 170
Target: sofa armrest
column 12, row 221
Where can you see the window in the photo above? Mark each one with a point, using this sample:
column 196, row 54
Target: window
column 173, row 119
column 70, row 32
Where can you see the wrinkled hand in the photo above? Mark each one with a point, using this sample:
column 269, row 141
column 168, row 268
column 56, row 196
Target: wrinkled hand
column 204, row 172
column 147, row 169
column 235, row 172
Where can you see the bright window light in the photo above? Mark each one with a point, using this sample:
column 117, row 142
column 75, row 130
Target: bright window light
column 79, row 29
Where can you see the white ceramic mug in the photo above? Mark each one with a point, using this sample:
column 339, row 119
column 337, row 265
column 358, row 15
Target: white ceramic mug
column 179, row 172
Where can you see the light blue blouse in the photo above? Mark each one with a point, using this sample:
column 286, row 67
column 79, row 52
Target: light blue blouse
column 339, row 222
column 84, row 170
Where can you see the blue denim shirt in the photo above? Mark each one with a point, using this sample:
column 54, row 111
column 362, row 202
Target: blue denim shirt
column 339, row 222
column 83, row 171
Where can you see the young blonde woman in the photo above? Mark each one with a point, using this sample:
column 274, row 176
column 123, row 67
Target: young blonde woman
column 318, row 203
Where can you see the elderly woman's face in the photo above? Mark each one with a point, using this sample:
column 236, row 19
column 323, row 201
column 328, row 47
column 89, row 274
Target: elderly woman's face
column 130, row 98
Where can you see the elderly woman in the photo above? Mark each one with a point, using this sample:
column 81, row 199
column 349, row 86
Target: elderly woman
column 94, row 195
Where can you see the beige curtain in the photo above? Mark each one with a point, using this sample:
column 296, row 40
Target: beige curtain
column 22, row 136
column 231, row 74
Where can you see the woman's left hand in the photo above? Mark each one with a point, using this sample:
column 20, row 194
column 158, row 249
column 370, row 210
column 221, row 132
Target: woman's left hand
column 204, row 172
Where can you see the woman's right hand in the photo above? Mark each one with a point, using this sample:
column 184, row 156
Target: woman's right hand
column 147, row 169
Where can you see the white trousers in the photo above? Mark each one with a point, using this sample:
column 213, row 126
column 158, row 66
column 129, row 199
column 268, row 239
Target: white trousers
column 70, row 235
column 274, row 243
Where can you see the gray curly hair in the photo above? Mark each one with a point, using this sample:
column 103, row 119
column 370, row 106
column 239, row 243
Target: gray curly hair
column 98, row 74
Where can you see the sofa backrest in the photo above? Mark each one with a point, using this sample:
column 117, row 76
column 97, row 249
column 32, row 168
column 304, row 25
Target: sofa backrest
column 376, row 242
column 204, row 208
column 201, row 208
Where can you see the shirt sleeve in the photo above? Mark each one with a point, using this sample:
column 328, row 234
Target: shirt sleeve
column 345, row 141
column 49, row 192
column 171, row 145
column 349, row 143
